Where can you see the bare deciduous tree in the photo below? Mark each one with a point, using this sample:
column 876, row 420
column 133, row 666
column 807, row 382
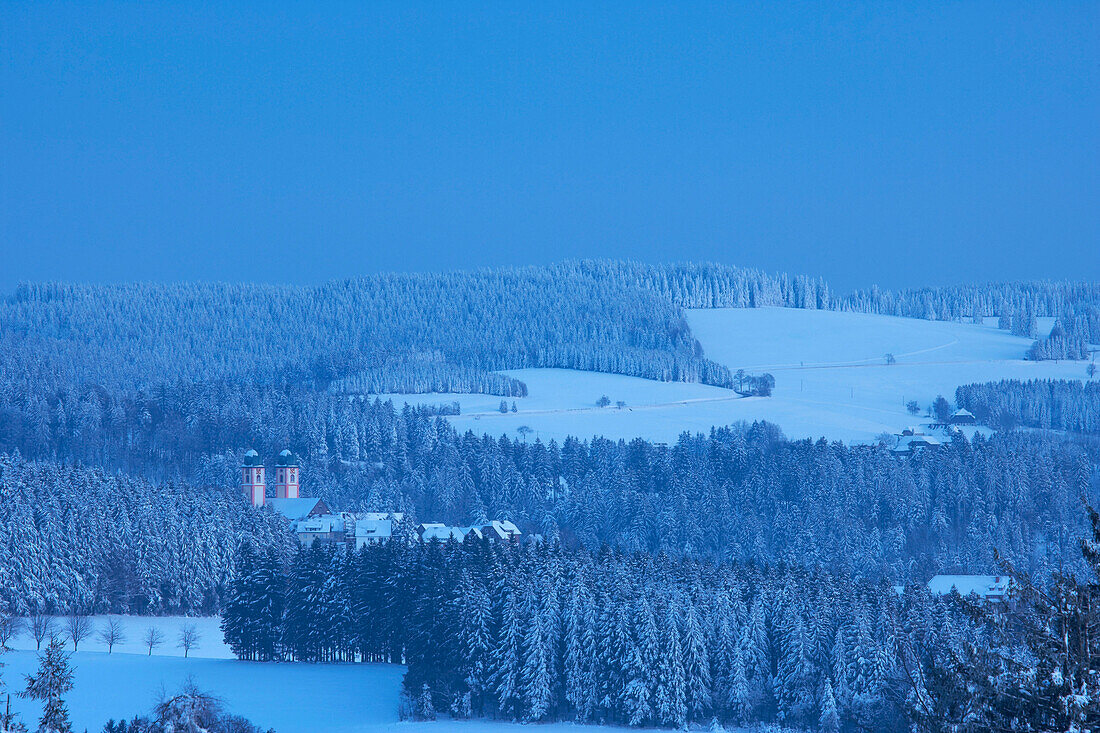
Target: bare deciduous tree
column 189, row 638
column 42, row 628
column 152, row 639
column 10, row 626
column 112, row 633
column 77, row 628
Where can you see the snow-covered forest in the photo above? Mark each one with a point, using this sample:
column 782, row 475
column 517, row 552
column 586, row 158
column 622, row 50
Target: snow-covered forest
column 735, row 575
column 537, row 633
column 1048, row 404
column 741, row 494
column 81, row 540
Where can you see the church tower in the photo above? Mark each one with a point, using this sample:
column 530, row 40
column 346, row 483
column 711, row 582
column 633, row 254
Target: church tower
column 286, row 476
column 252, row 478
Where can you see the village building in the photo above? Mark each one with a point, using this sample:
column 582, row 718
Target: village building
column 989, row 588
column 375, row 528
column 496, row 531
column 298, row 509
column 324, row 528
column 962, row 417
column 313, row 521
column 908, row 444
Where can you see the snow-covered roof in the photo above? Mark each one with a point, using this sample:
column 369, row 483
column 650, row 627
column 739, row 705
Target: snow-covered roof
column 286, row 458
column 503, row 530
column 251, row 458
column 986, row 586
column 443, row 533
column 373, row 528
column 907, row 443
column 962, row 413
column 320, row 525
column 297, row 509
column 396, row 516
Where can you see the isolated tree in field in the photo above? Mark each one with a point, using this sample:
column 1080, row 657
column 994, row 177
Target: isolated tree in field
column 503, row 406
column 189, row 638
column 42, row 628
column 1091, row 370
column 514, row 407
column 524, row 431
column 77, row 628
column 152, row 639
column 912, row 407
column 890, row 359
column 620, row 404
column 604, row 401
column 190, row 711
column 53, row 679
column 941, row 408
column 112, row 633
column 10, row 626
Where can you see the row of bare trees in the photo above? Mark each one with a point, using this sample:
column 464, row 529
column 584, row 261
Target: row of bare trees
column 77, row 628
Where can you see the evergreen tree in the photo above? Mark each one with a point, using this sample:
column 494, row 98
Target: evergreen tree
column 53, row 679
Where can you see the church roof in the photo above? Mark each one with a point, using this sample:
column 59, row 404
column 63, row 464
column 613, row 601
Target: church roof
column 252, row 458
column 297, row 509
column 286, row 458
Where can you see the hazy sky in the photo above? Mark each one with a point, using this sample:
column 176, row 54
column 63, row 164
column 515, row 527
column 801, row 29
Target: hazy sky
column 890, row 143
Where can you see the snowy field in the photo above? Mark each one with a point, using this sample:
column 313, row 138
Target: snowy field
column 830, row 371
column 289, row 697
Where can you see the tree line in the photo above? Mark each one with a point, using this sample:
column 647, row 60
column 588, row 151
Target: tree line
column 536, row 632
column 1047, row 404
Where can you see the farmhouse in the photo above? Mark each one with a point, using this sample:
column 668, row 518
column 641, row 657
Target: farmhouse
column 962, row 417
column 908, row 444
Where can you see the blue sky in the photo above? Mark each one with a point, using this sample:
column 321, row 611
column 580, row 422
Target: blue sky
column 891, row 143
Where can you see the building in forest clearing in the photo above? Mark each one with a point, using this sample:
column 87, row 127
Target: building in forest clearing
column 989, row 588
column 962, row 417
column 908, row 444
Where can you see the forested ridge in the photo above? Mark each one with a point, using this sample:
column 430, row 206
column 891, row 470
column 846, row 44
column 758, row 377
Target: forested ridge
column 743, row 494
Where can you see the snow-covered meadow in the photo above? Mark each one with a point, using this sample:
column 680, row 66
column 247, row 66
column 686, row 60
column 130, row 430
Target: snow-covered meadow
column 830, row 367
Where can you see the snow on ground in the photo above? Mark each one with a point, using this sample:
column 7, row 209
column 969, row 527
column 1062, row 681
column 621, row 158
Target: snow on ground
column 288, row 697
column 830, row 371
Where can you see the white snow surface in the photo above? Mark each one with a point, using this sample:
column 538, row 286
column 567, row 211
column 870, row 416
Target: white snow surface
column 831, row 379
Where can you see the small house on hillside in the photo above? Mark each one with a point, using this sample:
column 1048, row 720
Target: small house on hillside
column 909, row 444
column 962, row 417
column 988, row 588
